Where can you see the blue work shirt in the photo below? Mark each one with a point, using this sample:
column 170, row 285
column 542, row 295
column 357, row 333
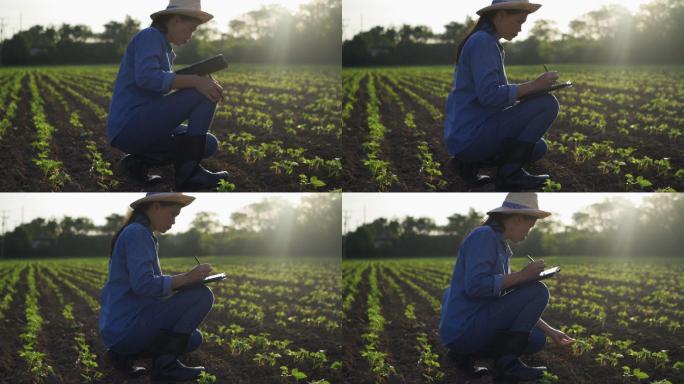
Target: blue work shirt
column 135, row 280
column 480, row 89
column 145, row 75
column 481, row 264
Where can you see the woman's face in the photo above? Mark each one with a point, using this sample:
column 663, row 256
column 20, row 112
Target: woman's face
column 518, row 227
column 508, row 25
column 162, row 217
column 180, row 30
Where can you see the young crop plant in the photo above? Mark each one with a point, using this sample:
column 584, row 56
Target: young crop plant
column 428, row 360
column 34, row 324
column 293, row 373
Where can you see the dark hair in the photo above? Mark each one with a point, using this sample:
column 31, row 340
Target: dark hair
column 160, row 21
column 485, row 19
column 496, row 220
column 133, row 215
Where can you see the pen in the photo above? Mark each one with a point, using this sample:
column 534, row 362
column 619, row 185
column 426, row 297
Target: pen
column 200, row 263
column 531, row 259
column 546, row 69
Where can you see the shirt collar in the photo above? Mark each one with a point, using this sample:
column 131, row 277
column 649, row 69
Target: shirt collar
column 166, row 42
column 502, row 241
column 142, row 219
column 489, row 28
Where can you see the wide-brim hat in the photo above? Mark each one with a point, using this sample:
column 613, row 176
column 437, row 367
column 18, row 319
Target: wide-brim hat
column 168, row 197
column 522, row 5
column 191, row 8
column 521, row 204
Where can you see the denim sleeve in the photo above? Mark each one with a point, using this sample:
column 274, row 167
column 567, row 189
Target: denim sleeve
column 486, row 66
column 480, row 254
column 141, row 256
column 149, row 73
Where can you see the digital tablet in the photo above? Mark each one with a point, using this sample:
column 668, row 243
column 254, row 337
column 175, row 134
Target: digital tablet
column 205, row 67
column 551, row 272
column 206, row 280
column 554, row 87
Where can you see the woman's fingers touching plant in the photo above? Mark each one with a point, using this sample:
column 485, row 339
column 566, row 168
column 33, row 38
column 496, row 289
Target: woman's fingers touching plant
column 560, row 338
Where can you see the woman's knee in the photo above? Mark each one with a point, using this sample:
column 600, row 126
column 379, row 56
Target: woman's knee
column 539, row 151
column 195, row 341
column 551, row 105
column 536, row 341
column 539, row 290
column 211, row 146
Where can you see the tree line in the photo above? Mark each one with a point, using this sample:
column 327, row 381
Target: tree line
column 614, row 227
column 271, row 227
column 271, row 34
column 611, row 34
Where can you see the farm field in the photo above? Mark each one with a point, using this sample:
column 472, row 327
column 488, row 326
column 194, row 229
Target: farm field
column 272, row 322
column 619, row 129
column 278, row 128
column 626, row 317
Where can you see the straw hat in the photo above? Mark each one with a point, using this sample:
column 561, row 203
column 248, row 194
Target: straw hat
column 523, row 5
column 169, row 197
column 191, row 8
column 521, row 203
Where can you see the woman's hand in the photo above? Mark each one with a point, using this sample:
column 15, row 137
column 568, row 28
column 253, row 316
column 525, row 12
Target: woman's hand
column 198, row 273
column 210, row 88
column 559, row 337
column 532, row 270
column 546, row 80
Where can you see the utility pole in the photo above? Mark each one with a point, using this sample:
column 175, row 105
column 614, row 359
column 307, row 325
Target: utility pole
column 345, row 231
column 2, row 28
column 4, row 232
column 2, row 34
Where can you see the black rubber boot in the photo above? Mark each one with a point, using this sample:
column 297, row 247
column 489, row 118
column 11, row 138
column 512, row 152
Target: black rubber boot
column 507, row 365
column 137, row 168
column 465, row 363
column 190, row 175
column 124, row 364
column 165, row 364
column 469, row 172
column 518, row 179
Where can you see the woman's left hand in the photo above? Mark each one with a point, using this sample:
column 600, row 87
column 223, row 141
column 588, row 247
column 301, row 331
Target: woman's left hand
column 560, row 338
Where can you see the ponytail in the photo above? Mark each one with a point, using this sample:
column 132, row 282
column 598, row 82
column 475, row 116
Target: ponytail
column 485, row 19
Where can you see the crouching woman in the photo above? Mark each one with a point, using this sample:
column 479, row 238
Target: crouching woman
column 489, row 310
column 141, row 316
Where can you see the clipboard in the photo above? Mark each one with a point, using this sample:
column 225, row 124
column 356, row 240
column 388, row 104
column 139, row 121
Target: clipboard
column 548, row 273
column 555, row 87
column 206, row 280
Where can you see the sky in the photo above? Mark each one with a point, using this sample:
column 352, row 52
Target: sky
column 98, row 206
column 96, row 13
column 437, row 13
column 362, row 208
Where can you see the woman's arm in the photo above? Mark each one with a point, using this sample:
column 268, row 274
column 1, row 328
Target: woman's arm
column 530, row 272
column 194, row 275
column 545, row 81
column 205, row 85
column 559, row 337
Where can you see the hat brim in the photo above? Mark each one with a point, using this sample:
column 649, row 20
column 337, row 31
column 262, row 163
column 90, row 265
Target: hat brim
column 529, row 7
column 201, row 15
column 538, row 213
column 169, row 197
